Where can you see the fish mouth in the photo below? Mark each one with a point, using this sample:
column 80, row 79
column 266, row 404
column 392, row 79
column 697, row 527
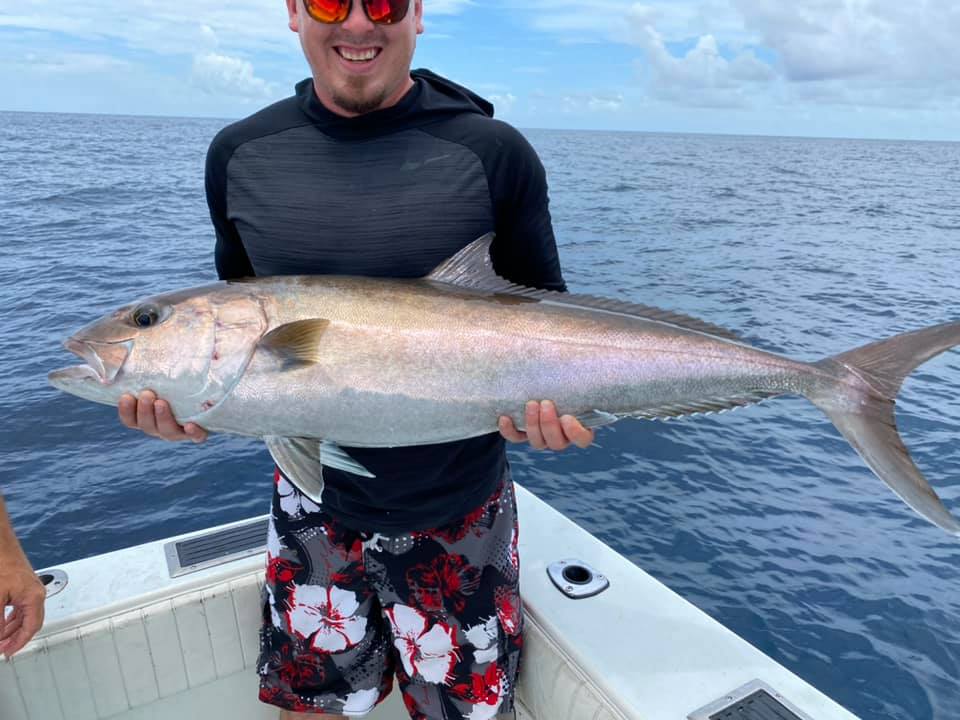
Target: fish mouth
column 103, row 360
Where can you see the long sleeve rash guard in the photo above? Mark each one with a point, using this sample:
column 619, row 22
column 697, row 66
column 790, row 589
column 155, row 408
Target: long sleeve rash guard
column 296, row 189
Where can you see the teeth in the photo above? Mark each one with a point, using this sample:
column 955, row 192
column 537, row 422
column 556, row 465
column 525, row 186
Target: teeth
column 358, row 55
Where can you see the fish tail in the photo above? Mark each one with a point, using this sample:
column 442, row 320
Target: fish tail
column 860, row 401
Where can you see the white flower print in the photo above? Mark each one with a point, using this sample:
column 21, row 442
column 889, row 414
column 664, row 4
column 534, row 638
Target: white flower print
column 361, row 701
column 274, row 615
column 429, row 654
column 273, row 541
column 514, row 551
column 292, row 501
column 328, row 612
column 483, row 637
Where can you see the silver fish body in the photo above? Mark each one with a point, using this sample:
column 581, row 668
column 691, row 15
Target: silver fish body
column 367, row 362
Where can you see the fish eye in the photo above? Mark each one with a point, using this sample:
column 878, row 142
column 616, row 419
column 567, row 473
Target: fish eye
column 146, row 316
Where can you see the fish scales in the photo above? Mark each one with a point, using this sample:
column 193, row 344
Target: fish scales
column 314, row 363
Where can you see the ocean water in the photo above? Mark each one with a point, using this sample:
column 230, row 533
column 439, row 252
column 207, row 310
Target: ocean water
column 765, row 518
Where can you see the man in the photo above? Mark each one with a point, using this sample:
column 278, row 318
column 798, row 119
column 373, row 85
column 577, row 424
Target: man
column 372, row 170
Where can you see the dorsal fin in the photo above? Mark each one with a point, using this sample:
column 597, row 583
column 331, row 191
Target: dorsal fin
column 472, row 268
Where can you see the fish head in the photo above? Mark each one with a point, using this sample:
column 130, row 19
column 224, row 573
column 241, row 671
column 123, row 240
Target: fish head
column 190, row 347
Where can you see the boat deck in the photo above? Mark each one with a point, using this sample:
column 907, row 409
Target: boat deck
column 126, row 640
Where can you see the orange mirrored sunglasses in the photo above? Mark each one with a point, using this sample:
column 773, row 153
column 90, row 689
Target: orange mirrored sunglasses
column 381, row 12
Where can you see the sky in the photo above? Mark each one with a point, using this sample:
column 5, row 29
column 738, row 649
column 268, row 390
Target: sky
column 834, row 68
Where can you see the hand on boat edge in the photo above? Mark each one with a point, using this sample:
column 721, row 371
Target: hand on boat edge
column 22, row 590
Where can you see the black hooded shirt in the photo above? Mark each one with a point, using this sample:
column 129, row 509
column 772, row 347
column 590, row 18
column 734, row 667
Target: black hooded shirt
column 296, row 189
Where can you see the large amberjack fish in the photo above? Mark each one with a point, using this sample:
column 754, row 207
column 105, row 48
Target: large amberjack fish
column 314, row 363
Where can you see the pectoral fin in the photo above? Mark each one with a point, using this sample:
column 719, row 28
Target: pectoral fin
column 302, row 461
column 332, row 455
column 299, row 460
column 297, row 341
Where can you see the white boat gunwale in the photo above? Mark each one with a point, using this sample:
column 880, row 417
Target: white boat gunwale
column 635, row 651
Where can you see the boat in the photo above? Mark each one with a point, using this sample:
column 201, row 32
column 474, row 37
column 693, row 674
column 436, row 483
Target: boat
column 168, row 630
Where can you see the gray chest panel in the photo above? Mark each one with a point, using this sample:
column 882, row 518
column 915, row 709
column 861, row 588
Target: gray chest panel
column 392, row 206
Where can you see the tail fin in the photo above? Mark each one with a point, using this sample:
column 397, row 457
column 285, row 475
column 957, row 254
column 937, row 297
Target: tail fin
column 866, row 417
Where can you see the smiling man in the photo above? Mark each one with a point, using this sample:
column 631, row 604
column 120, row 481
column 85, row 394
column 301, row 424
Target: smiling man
column 371, row 169
column 358, row 67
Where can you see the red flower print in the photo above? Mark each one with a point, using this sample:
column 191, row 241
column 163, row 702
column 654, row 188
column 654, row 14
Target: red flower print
column 412, row 709
column 448, row 577
column 508, row 609
column 281, row 571
column 485, row 691
column 478, row 521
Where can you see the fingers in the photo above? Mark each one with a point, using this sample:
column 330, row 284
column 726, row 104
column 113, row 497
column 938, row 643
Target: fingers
column 146, row 413
column 544, row 429
column 195, row 432
column 509, row 430
column 127, row 410
column 11, row 625
column 167, row 426
column 27, row 598
column 26, row 630
column 32, row 622
column 154, row 417
column 534, row 433
column 582, row 437
column 553, row 434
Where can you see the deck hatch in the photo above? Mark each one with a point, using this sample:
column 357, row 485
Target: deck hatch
column 754, row 701
column 215, row 548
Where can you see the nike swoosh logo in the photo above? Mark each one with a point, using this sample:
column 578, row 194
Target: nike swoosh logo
column 409, row 165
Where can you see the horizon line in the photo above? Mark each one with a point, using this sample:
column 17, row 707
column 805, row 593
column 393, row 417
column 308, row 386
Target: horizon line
column 521, row 128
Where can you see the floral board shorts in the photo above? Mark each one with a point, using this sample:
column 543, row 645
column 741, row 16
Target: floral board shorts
column 345, row 610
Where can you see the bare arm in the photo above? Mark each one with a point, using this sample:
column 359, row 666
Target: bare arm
column 19, row 589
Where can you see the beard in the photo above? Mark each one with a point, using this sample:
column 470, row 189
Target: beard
column 361, row 100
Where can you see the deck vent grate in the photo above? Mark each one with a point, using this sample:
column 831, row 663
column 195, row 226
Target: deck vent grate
column 754, row 701
column 215, row 548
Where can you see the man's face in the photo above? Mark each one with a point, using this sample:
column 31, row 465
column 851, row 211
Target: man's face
column 378, row 74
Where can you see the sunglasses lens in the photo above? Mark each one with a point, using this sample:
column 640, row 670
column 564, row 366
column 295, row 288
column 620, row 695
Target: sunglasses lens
column 328, row 11
column 386, row 12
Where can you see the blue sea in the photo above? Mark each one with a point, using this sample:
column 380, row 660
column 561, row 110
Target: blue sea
column 765, row 517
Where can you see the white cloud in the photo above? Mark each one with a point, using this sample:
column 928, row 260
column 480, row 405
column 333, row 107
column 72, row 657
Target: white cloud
column 702, row 77
column 224, row 75
column 503, row 103
column 167, row 29
column 597, row 21
column 73, row 63
column 591, row 102
column 883, row 52
column 445, row 7
column 872, row 52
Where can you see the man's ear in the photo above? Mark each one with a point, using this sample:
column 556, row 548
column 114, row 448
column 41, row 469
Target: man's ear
column 417, row 14
column 293, row 15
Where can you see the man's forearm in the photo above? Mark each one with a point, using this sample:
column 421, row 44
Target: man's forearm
column 10, row 549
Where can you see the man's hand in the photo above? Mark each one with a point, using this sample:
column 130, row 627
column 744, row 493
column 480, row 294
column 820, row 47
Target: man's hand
column 545, row 429
column 154, row 417
column 21, row 589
